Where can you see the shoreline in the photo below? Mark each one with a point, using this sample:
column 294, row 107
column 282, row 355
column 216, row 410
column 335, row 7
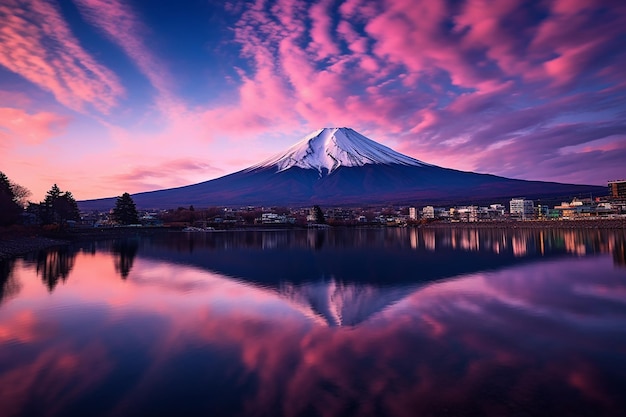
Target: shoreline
column 12, row 248
column 19, row 241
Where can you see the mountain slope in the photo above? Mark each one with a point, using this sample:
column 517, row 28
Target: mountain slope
column 339, row 166
column 328, row 149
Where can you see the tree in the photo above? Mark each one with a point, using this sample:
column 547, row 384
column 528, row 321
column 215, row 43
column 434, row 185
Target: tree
column 47, row 205
column 58, row 207
column 319, row 215
column 125, row 211
column 67, row 207
column 9, row 208
column 192, row 214
column 21, row 194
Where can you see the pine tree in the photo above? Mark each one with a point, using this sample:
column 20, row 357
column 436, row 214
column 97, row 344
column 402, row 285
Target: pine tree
column 125, row 211
column 68, row 207
column 9, row 208
column 47, row 205
column 319, row 215
column 58, row 207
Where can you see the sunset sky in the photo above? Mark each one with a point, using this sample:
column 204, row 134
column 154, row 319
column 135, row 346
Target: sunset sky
column 108, row 96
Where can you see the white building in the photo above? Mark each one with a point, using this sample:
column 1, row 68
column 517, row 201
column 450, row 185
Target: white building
column 428, row 212
column 269, row 218
column 465, row 213
column 521, row 208
column 497, row 208
column 412, row 213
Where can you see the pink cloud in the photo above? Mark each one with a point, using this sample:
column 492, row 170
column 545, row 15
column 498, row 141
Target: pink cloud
column 37, row 44
column 356, row 43
column 321, row 27
column 578, row 41
column 32, row 128
column 299, row 88
column 360, row 10
column 500, row 28
column 499, row 54
column 15, row 99
column 451, row 83
column 162, row 174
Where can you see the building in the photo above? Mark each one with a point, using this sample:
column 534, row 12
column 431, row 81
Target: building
column 522, row 209
column 464, row 213
column 617, row 189
column 273, row 218
column 586, row 208
column 428, row 212
column 495, row 211
column 412, row 213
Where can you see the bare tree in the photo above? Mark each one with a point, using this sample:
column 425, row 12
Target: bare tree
column 20, row 194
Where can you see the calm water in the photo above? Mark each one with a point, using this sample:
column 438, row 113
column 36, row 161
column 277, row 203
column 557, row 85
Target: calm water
column 391, row 322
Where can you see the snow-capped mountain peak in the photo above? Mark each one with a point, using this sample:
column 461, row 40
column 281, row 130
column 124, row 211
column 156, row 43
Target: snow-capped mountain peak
column 343, row 304
column 327, row 149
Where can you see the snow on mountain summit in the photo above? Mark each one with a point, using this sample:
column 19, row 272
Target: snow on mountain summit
column 330, row 148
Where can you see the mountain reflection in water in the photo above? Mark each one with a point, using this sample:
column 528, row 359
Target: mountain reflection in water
column 357, row 322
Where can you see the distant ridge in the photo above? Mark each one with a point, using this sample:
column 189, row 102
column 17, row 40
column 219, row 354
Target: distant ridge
column 339, row 166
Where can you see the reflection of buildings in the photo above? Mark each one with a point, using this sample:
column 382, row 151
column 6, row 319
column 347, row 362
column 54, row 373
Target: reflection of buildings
column 519, row 246
column 619, row 251
column 373, row 255
column 572, row 244
column 469, row 240
column 429, row 240
column 413, row 238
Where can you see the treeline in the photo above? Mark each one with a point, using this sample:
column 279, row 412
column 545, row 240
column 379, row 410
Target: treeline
column 58, row 207
column 190, row 215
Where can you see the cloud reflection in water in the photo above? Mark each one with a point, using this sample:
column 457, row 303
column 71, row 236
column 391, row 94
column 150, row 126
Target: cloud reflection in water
column 542, row 338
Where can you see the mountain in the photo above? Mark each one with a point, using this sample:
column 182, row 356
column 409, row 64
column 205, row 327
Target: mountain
column 338, row 304
column 339, row 166
column 329, row 149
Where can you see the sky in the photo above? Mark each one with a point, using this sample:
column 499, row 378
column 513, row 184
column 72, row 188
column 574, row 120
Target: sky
column 104, row 97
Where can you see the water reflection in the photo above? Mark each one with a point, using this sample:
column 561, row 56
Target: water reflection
column 125, row 252
column 377, row 256
column 54, row 265
column 619, row 252
column 518, row 242
column 534, row 334
column 9, row 286
column 340, row 304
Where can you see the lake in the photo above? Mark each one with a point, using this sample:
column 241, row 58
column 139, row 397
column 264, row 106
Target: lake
column 354, row 322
